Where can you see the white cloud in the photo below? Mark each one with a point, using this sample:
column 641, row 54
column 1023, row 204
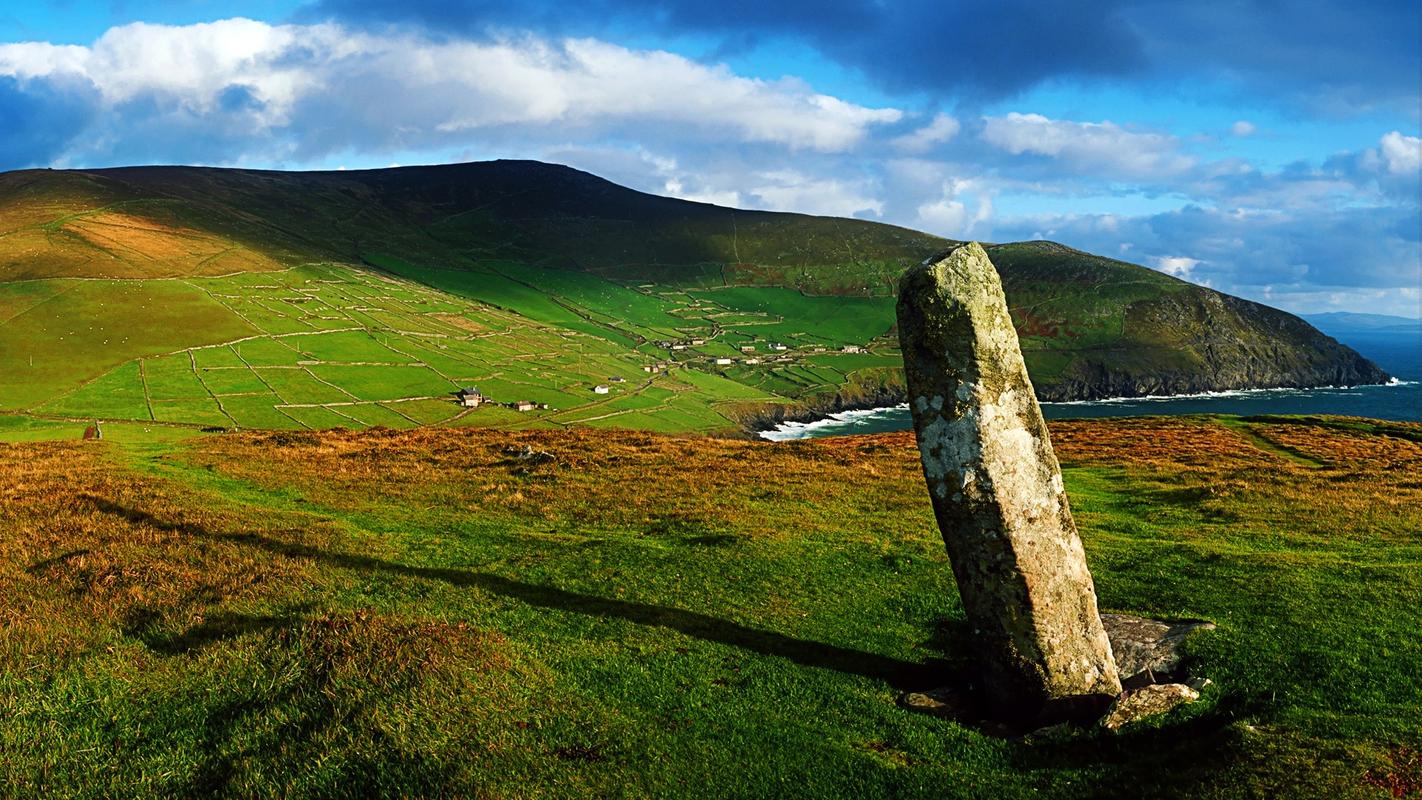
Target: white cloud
column 1402, row 154
column 406, row 90
column 941, row 129
column 1178, row 266
column 790, row 190
column 952, row 213
column 1088, row 146
column 1243, row 128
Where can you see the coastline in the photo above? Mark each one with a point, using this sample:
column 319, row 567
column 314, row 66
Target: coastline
column 802, row 426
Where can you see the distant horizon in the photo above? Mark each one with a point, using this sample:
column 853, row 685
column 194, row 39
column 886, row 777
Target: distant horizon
column 1366, row 314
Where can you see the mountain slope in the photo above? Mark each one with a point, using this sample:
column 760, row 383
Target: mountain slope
column 396, row 286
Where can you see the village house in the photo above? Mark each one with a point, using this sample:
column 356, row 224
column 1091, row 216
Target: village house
column 697, row 342
column 601, row 388
column 617, row 379
column 469, row 397
column 751, row 361
column 778, row 346
column 747, row 348
column 524, row 405
column 853, row 348
column 721, row 362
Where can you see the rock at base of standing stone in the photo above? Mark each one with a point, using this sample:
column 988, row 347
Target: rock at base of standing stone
column 1147, row 701
column 1148, row 650
column 997, row 495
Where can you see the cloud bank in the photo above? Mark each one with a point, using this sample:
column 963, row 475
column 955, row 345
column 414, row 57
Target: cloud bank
column 245, row 86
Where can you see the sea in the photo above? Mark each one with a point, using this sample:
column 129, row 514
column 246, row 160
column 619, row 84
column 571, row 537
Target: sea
column 1399, row 354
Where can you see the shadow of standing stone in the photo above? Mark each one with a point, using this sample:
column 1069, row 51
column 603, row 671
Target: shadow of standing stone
column 998, row 497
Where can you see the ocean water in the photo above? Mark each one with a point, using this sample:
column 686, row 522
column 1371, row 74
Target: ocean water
column 1399, row 354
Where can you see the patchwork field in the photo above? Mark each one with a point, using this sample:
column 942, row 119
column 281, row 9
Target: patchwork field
column 582, row 613
column 327, row 345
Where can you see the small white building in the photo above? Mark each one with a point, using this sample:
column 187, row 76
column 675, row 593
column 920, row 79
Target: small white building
column 697, row 342
column 469, row 397
column 852, row 348
column 723, row 362
column 778, row 346
column 601, row 388
column 751, row 361
column 747, row 348
column 617, row 379
column 524, row 405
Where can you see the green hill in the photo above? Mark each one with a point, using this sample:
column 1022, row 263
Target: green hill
column 308, row 300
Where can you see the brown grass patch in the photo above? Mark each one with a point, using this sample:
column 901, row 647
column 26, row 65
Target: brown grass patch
column 173, row 249
column 388, row 653
column 1402, row 777
column 461, row 322
column 1154, row 441
column 89, row 547
column 663, row 486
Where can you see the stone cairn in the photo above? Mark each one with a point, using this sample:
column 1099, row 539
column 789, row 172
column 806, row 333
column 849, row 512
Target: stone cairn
column 998, row 497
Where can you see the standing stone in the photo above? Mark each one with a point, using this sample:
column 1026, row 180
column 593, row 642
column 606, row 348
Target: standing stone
column 997, row 493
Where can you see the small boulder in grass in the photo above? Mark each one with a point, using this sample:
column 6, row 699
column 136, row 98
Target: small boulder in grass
column 1147, row 701
column 944, row 702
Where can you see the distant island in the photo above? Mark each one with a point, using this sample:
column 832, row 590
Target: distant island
column 259, row 299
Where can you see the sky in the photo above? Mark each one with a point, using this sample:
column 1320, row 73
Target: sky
column 1264, row 148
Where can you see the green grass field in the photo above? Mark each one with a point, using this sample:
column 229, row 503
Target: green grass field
column 421, row 613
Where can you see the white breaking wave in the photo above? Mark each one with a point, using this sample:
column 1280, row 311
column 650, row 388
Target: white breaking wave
column 787, row 431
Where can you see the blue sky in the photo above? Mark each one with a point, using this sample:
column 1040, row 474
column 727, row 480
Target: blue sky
column 1266, row 149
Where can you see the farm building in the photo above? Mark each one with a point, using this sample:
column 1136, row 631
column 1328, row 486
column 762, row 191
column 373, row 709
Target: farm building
column 747, row 348
column 751, row 361
column 617, row 379
column 721, row 362
column 853, row 348
column 697, row 342
column 524, row 405
column 469, row 397
column 778, row 346
column 601, row 388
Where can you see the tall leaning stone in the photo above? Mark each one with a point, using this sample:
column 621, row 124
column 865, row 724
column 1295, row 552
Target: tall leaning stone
column 997, row 493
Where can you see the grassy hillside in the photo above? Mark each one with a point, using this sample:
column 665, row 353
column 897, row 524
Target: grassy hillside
column 538, row 282
column 595, row 613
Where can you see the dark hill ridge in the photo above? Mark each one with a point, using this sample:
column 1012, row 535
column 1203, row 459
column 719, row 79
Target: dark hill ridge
column 1091, row 327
